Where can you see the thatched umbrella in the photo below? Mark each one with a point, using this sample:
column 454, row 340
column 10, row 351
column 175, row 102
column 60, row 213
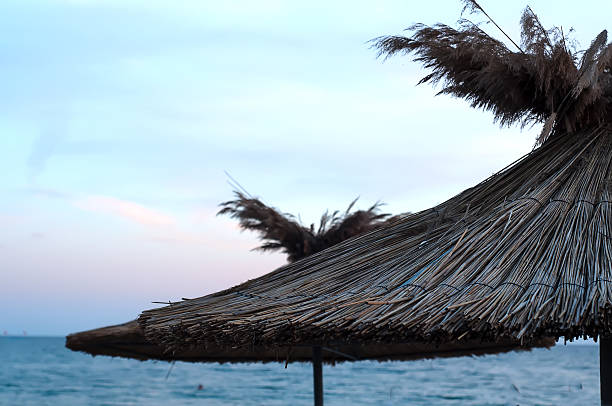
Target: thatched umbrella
column 523, row 255
column 281, row 231
column 526, row 254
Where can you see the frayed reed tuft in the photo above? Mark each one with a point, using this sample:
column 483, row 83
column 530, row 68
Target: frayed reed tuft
column 524, row 87
column 282, row 231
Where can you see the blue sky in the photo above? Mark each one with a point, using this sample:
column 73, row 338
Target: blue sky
column 119, row 118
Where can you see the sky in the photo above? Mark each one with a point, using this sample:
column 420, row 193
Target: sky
column 119, row 119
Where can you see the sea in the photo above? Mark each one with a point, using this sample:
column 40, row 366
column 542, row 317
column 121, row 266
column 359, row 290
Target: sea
column 41, row 371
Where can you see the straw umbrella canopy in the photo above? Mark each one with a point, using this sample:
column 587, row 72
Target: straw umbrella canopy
column 523, row 255
column 526, row 254
column 282, row 231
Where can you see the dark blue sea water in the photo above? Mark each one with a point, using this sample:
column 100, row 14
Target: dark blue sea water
column 40, row 371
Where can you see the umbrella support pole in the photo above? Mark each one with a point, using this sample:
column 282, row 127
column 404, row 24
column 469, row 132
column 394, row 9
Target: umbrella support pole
column 605, row 369
column 317, row 374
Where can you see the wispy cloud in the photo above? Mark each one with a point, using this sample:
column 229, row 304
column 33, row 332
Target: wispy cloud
column 53, row 141
column 181, row 237
column 123, row 208
column 42, row 149
column 48, row 192
column 216, row 239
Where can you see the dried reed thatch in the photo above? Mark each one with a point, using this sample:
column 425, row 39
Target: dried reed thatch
column 282, row 231
column 523, row 255
column 128, row 340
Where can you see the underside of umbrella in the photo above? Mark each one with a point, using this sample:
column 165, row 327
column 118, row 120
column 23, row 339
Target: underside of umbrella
column 127, row 340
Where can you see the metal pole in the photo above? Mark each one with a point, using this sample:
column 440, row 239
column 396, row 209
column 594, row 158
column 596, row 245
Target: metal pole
column 317, row 374
column 605, row 369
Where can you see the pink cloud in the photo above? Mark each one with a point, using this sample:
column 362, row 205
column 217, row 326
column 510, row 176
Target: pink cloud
column 175, row 236
column 204, row 214
column 126, row 209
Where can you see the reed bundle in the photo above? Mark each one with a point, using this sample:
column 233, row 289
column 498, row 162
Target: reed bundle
column 546, row 79
column 284, row 232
